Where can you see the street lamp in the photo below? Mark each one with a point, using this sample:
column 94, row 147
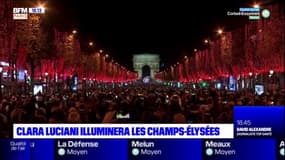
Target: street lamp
column 206, row 41
column 90, row 43
column 46, row 76
column 271, row 72
column 42, row 7
column 84, row 83
column 256, row 5
column 1, row 69
column 220, row 31
column 25, row 84
column 74, row 32
column 250, row 79
column 101, row 51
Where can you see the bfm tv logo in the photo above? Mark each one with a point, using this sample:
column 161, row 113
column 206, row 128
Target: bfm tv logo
column 20, row 13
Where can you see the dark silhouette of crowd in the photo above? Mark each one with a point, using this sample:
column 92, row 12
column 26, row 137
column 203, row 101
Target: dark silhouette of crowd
column 130, row 104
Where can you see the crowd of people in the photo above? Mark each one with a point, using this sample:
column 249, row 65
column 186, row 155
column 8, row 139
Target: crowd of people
column 130, row 104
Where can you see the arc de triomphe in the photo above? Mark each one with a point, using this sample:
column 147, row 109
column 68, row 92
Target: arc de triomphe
column 142, row 60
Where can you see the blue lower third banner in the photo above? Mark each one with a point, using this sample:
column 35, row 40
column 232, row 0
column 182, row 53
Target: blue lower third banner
column 111, row 149
column 142, row 149
column 122, row 131
column 15, row 149
column 259, row 121
column 239, row 149
column 165, row 149
column 64, row 149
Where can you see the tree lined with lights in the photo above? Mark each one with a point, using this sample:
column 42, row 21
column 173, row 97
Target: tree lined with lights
column 93, row 64
column 33, row 39
column 254, row 49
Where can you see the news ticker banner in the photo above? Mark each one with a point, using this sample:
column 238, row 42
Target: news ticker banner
column 141, row 149
column 125, row 131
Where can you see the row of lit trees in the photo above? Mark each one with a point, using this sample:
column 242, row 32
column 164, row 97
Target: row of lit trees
column 39, row 50
column 95, row 64
column 33, row 39
column 22, row 42
column 256, row 48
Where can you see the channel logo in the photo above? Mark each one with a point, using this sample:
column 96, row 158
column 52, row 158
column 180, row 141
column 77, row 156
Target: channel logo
column 20, row 13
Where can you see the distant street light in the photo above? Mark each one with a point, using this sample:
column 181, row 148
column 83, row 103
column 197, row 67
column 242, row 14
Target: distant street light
column 271, row 72
column 206, row 41
column 250, row 73
column 220, row 31
column 256, row 6
column 43, row 8
column 74, row 31
column 90, row 43
column 195, row 50
column 101, row 51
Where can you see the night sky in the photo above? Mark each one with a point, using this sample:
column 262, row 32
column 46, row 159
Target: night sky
column 170, row 29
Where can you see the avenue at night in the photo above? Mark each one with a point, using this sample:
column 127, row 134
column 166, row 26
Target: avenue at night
column 90, row 62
